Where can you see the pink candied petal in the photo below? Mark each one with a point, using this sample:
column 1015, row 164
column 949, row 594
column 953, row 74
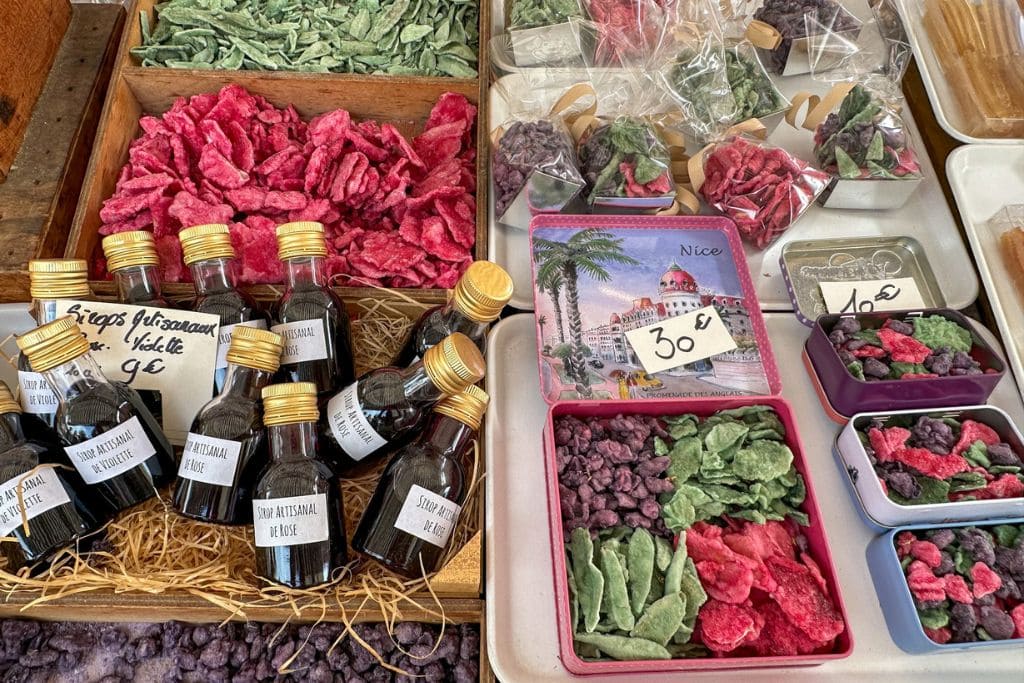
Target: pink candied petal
column 984, row 580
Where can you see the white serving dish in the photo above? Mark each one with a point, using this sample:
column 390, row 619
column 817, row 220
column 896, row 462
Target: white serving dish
column 882, row 511
column 984, row 178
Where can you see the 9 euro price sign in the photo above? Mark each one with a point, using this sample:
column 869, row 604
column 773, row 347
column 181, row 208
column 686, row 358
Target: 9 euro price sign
column 684, row 339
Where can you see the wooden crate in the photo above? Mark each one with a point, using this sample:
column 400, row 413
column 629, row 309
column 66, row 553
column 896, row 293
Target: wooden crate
column 136, row 90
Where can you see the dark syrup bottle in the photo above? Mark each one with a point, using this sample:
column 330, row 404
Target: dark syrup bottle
column 408, row 523
column 387, row 406
column 310, row 316
column 132, row 258
column 298, row 518
column 208, row 253
column 108, row 434
column 49, row 280
column 226, row 447
column 477, row 301
column 56, row 514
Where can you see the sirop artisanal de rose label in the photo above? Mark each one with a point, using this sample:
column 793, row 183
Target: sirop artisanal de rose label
column 40, row 492
column 35, row 395
column 111, row 453
column 290, row 521
column 428, row 516
column 349, row 425
column 224, row 339
column 209, row 460
column 304, row 340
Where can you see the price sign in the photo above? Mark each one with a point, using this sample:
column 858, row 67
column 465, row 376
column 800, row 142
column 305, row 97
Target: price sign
column 684, row 339
column 865, row 296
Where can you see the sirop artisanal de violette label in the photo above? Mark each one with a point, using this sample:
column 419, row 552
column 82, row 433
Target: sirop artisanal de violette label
column 209, row 460
column 35, row 395
column 111, row 453
column 40, row 492
column 304, row 340
column 349, row 425
column 428, row 516
column 295, row 520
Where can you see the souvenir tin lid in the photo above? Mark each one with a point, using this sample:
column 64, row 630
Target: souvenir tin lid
column 806, row 264
column 597, row 279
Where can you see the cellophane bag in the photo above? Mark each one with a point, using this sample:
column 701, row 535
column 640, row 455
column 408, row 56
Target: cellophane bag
column 544, row 32
column 762, row 188
column 795, row 20
column 626, row 33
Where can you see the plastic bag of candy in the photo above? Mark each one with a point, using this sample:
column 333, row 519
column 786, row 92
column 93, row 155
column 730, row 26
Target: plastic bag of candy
column 781, row 29
column 625, row 33
column 545, row 32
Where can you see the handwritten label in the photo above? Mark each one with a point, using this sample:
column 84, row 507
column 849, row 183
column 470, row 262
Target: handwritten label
column 40, row 492
column 290, row 521
column 349, row 425
column 428, row 516
column 166, row 350
column 111, row 453
column 35, row 395
column 865, row 296
column 224, row 339
column 209, row 460
column 303, row 341
column 684, row 339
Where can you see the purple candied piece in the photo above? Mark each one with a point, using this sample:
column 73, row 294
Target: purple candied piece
column 974, row 371
column 958, row 372
column 603, row 519
column 1010, row 560
column 837, row 337
column 963, row 360
column 985, row 600
column 946, row 564
column 941, row 537
column 649, row 508
column 929, row 604
column 962, row 618
column 846, row 357
column 1009, row 590
column 875, row 368
column 904, row 484
column 847, row 325
column 939, row 363
column 978, row 544
column 996, row 622
column 854, row 344
column 935, row 435
column 901, row 326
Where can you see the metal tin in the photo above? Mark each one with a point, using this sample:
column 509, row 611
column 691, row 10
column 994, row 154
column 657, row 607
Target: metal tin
column 815, row 535
column 897, row 602
column 848, row 395
column 869, row 193
column 807, row 263
column 885, row 513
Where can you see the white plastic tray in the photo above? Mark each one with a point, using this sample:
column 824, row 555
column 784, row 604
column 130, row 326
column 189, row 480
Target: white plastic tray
column 983, row 179
column 522, row 641
column 940, row 93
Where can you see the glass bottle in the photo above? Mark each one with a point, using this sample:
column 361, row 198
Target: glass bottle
column 226, row 448
column 56, row 515
column 132, row 258
column 310, row 316
column 408, row 522
column 298, row 518
column 208, row 253
column 477, row 301
column 387, row 406
column 108, row 434
column 49, row 280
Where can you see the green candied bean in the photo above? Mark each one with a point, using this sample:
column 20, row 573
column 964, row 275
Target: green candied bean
column 693, row 590
column 574, row 601
column 623, row 647
column 662, row 553
column 674, row 573
column 683, row 635
column 662, row 619
column 640, row 561
column 589, row 580
column 615, row 589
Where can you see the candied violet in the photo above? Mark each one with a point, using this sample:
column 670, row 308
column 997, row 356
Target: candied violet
column 848, row 325
column 529, row 146
column 978, row 544
column 1001, row 454
column 903, row 483
column 962, row 618
column 787, row 16
column 935, row 435
column 996, row 622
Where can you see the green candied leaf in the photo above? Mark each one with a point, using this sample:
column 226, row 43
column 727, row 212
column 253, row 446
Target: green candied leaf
column 681, row 636
column 319, row 49
column 574, row 601
column 967, row 481
column 932, row 491
column 660, row 447
column 691, row 587
column 711, row 463
column 856, row 369
column 662, row 619
column 615, row 589
column 727, row 495
column 387, row 20
column 373, row 60
column 354, row 48
column 640, row 559
column 360, row 24
column 144, row 27
column 589, row 579
column 1006, row 534
column 767, row 433
column 933, row 618
column 399, row 70
column 879, row 171
column 977, row 455
column 847, row 167
column 455, row 67
column 898, row 369
column 253, row 53
column 982, row 634
column 758, row 412
column 876, row 150
column 905, row 562
column 623, row 647
column 762, row 460
column 679, row 513
column 676, row 568
column 755, row 516
column 725, row 435
column 935, row 332
column 459, row 50
column 663, row 553
column 684, row 459
column 413, row 32
column 868, row 335
column 681, row 425
column 232, row 60
column 648, row 170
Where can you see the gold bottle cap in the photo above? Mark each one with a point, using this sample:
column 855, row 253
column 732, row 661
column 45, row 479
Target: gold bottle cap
column 482, row 291
column 59, row 279
column 255, row 348
column 202, row 242
column 7, row 402
column 468, row 406
column 285, row 404
column 454, row 364
column 134, row 248
column 53, row 344
column 304, row 238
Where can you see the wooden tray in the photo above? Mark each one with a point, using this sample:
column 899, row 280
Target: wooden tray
column 134, row 91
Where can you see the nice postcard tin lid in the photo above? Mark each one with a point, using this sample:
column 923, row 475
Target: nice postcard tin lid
column 618, row 300
column 806, row 264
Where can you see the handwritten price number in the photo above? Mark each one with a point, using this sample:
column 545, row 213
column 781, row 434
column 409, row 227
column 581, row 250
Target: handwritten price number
column 888, row 292
column 683, row 343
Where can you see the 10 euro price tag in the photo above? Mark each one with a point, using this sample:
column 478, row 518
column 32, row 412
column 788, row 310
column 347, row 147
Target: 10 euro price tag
column 681, row 340
column 865, row 296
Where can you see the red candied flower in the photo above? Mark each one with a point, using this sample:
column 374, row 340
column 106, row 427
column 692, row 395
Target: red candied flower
column 971, row 431
column 904, row 540
column 869, row 351
column 888, row 440
column 802, row 600
column 1006, row 486
column 939, row 635
column 927, row 552
column 930, row 464
column 725, row 627
column 728, row 582
column 656, row 187
column 985, row 580
column 903, row 348
column 779, row 636
column 957, row 589
column 1017, row 614
column 760, row 541
column 925, row 586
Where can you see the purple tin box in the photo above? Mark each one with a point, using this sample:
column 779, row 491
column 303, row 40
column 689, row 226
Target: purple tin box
column 843, row 395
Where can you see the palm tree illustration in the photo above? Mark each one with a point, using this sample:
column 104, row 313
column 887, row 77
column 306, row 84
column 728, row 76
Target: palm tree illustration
column 551, row 283
column 541, row 322
column 587, row 253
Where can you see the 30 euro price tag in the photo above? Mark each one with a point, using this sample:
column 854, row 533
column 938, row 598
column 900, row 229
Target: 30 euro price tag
column 681, row 340
column 865, row 296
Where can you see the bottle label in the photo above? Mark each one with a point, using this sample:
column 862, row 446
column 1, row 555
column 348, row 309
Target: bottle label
column 111, row 453
column 35, row 394
column 224, row 339
column 428, row 516
column 303, row 341
column 349, row 425
column 209, row 460
column 40, row 492
column 290, row 521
